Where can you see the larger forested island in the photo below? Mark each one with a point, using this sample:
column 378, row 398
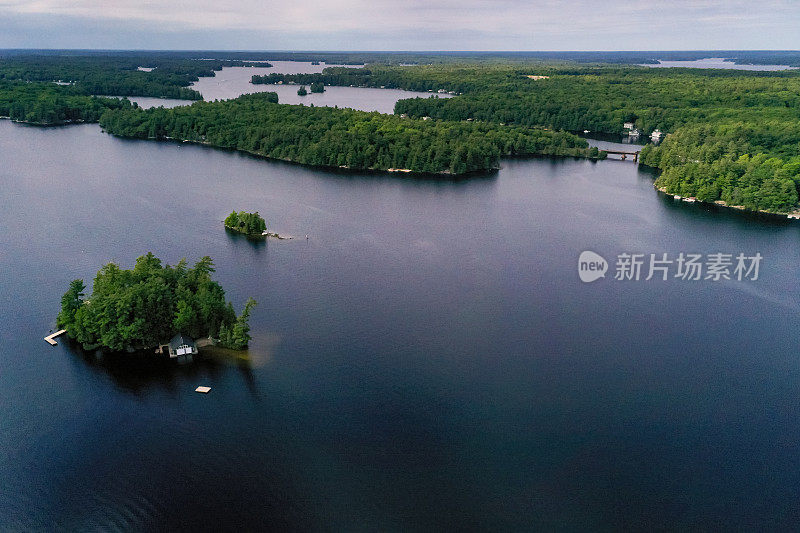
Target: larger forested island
column 733, row 136
column 147, row 305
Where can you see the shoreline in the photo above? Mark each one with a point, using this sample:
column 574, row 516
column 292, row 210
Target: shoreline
column 792, row 215
column 443, row 174
column 265, row 234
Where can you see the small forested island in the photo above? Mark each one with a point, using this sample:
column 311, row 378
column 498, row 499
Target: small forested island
column 317, row 87
column 302, row 90
column 246, row 223
column 143, row 308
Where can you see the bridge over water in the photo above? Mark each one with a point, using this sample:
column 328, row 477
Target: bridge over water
column 624, row 154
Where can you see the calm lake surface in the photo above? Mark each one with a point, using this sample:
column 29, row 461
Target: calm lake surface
column 427, row 360
column 717, row 62
column 232, row 82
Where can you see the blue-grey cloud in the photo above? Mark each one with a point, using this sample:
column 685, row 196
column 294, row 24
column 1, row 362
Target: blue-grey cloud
column 408, row 25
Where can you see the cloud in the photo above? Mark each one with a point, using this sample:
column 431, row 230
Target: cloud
column 407, row 25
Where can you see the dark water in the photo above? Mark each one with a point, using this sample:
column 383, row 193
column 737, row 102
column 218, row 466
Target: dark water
column 717, row 62
column 427, row 360
column 232, row 82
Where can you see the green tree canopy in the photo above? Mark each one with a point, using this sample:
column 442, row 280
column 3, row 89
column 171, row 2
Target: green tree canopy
column 148, row 304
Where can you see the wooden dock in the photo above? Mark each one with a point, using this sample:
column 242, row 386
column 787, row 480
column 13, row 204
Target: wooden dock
column 51, row 338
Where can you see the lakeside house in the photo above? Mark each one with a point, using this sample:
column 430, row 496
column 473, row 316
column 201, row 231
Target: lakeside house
column 630, row 129
column 656, row 135
column 181, row 345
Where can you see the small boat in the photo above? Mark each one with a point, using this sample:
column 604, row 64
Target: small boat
column 677, row 196
column 691, row 199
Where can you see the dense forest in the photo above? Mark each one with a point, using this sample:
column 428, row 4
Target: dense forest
column 145, row 306
column 749, row 164
column 331, row 137
column 47, row 103
column 59, row 89
column 734, row 134
column 575, row 98
column 116, row 75
column 247, row 223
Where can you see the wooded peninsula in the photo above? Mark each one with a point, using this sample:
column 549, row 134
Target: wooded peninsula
column 343, row 138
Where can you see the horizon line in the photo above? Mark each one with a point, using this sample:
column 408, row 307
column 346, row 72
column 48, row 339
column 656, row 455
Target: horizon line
column 397, row 51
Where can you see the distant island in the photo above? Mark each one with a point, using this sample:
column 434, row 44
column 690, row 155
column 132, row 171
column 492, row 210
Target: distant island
column 147, row 306
column 317, row 87
column 302, row 90
column 246, row 223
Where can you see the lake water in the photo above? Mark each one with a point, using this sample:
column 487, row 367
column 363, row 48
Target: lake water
column 232, row 82
column 717, row 62
column 427, row 360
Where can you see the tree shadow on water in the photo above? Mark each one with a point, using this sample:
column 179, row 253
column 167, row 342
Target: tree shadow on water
column 257, row 242
column 141, row 372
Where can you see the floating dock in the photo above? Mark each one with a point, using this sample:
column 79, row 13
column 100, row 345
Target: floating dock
column 204, row 390
column 51, row 338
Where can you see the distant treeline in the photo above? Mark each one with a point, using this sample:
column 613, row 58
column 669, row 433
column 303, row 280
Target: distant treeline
column 330, row 137
column 758, row 57
column 113, row 75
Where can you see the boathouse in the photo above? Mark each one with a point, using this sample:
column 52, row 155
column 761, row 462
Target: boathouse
column 182, row 345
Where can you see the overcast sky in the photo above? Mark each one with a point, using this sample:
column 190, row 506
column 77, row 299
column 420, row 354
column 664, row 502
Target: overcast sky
column 401, row 24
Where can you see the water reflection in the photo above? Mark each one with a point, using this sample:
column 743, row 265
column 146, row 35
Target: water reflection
column 141, row 372
column 256, row 242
